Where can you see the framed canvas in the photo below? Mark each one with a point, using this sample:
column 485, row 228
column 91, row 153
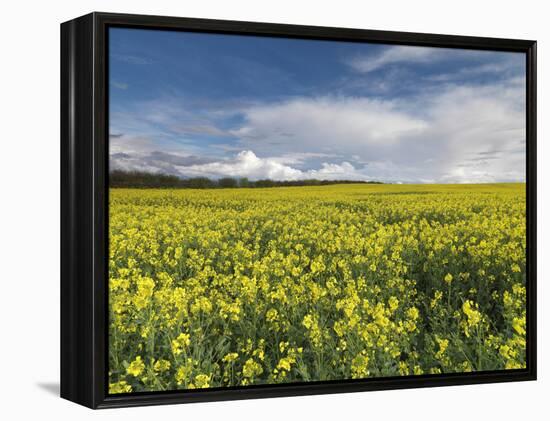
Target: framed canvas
column 257, row 210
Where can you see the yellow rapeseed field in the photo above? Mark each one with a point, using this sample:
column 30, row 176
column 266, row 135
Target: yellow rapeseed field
column 233, row 287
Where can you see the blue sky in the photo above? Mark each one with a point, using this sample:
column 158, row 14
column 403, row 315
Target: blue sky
column 210, row 105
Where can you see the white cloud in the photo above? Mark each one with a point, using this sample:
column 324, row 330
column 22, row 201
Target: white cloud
column 456, row 134
column 343, row 171
column 393, row 55
column 448, row 133
column 325, row 123
column 436, row 136
column 247, row 164
column 488, row 68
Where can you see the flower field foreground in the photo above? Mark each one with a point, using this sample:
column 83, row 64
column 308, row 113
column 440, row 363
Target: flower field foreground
column 236, row 287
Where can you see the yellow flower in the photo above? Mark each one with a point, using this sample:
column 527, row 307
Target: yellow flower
column 161, row 365
column 120, row 387
column 345, row 280
column 202, row 381
column 252, row 369
column 136, row 367
column 417, row 370
column 393, row 303
column 180, row 343
column 435, row 300
column 184, row 372
column 308, row 321
column 470, row 309
column 271, row 315
column 360, row 366
column 229, row 358
column 201, row 304
column 286, row 363
column 443, row 345
column 505, row 350
column 413, row 313
column 519, row 325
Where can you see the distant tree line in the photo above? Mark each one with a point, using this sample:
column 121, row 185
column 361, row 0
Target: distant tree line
column 142, row 179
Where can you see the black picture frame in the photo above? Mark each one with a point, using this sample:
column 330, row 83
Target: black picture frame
column 84, row 199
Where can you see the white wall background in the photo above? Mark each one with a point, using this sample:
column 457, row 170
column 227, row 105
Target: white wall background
column 29, row 234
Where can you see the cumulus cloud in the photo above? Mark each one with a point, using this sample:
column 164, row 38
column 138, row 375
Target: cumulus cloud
column 247, row 164
column 435, row 136
column 456, row 133
column 459, row 134
column 327, row 122
column 378, row 112
column 243, row 164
